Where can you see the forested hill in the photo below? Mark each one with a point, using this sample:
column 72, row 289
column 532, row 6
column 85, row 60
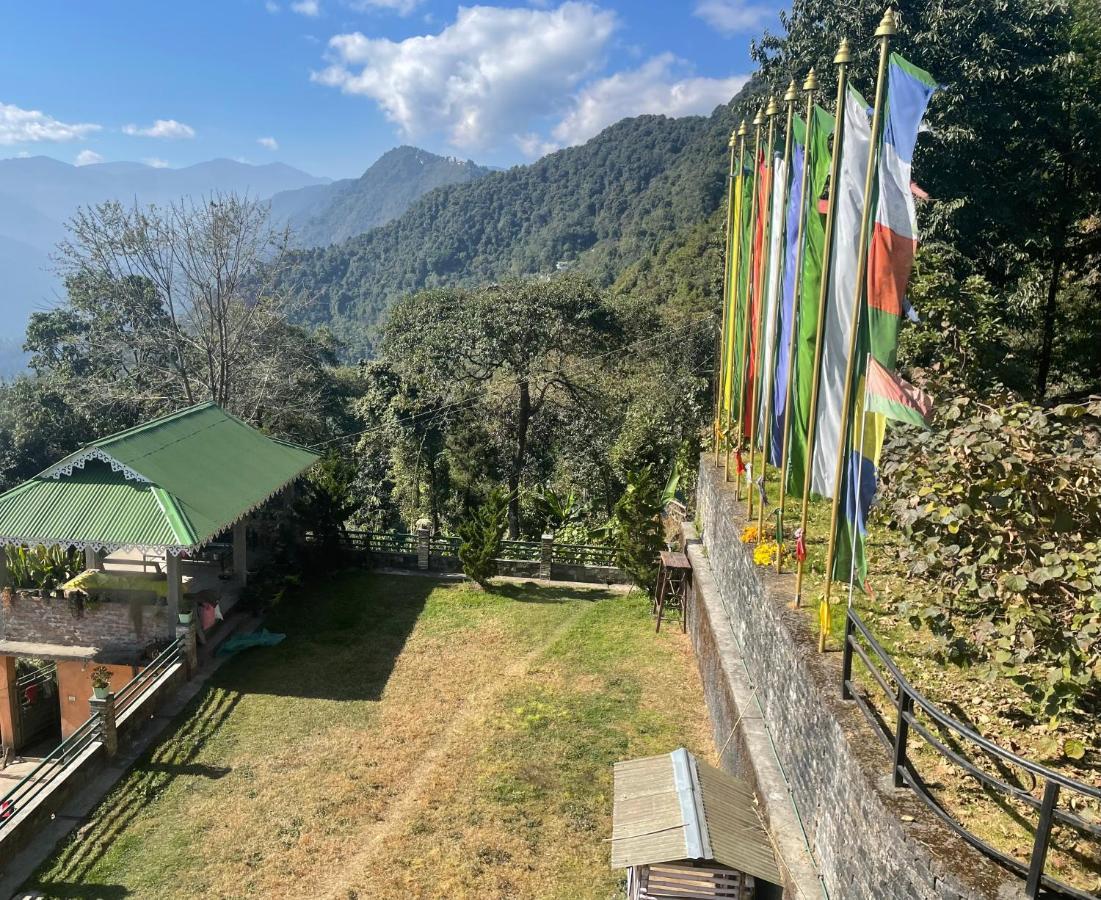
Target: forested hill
column 327, row 214
column 597, row 208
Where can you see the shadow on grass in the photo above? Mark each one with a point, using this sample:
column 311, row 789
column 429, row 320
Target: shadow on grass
column 533, row 592
column 88, row 891
column 344, row 637
column 172, row 757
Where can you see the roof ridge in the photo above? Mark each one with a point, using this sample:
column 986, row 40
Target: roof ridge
column 152, row 423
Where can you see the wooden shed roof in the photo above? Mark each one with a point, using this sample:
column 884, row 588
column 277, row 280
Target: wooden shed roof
column 674, row 807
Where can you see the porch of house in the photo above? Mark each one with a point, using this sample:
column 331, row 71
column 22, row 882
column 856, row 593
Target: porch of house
column 164, row 514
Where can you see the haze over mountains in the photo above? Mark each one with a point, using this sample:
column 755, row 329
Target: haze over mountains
column 320, row 215
column 39, row 194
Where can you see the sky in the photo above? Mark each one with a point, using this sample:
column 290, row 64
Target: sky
column 329, row 85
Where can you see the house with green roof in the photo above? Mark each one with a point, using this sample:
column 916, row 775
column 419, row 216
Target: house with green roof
column 154, row 496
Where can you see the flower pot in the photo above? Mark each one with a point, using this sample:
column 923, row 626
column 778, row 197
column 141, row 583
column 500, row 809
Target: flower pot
column 100, row 693
column 185, row 618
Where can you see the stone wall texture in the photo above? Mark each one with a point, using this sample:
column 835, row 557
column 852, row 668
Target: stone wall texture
column 868, row 839
column 117, row 630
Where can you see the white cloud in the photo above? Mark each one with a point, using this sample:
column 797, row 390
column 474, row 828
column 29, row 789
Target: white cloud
column 18, row 126
column 401, row 7
column 486, row 76
column 652, row 88
column 162, row 128
column 88, row 157
column 156, row 162
column 268, row 142
column 307, row 7
column 734, row 16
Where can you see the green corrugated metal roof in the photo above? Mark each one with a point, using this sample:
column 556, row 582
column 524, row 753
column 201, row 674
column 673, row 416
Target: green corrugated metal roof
column 177, row 481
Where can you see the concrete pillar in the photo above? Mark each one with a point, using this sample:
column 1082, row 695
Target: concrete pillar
column 424, row 547
column 240, row 552
column 9, row 705
column 546, row 555
column 189, row 651
column 175, row 587
column 4, row 580
column 93, row 559
column 108, row 732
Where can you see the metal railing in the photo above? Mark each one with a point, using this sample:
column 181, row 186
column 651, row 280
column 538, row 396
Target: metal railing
column 46, row 774
column 138, row 686
column 383, row 542
column 908, row 703
column 521, row 551
column 25, row 683
column 583, row 555
column 444, row 546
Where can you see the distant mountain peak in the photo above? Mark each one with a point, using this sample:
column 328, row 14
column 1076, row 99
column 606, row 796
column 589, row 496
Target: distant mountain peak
column 389, row 186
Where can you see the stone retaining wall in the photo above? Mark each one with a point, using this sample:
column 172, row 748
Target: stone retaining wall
column 868, row 839
column 119, row 629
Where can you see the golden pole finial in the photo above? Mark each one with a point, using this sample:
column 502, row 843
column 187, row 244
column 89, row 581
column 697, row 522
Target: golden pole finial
column 743, row 129
column 759, row 119
column 792, row 93
column 888, row 25
column 844, row 53
column 773, row 107
column 811, row 82
column 733, row 139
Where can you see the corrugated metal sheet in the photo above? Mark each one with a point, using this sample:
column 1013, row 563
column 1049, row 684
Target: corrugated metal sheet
column 653, row 822
column 203, row 469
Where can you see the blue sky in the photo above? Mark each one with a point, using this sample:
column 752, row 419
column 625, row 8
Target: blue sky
column 329, row 85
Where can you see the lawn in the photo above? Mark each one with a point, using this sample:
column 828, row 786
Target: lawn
column 410, row 738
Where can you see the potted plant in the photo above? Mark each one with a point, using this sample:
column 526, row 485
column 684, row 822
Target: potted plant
column 101, row 682
column 185, row 612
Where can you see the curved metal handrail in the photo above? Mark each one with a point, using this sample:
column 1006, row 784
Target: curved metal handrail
column 908, row 701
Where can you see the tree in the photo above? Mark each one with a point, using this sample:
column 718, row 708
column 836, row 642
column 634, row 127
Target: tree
column 508, row 348
column 480, row 536
column 637, row 528
column 326, row 502
column 1010, row 159
column 171, row 306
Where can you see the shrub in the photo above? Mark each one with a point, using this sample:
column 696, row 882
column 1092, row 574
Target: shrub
column 637, row 528
column 1002, row 508
column 480, row 536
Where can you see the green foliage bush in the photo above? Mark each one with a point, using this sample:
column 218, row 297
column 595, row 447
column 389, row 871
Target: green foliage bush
column 42, row 567
column 1002, row 508
column 637, row 528
column 480, row 536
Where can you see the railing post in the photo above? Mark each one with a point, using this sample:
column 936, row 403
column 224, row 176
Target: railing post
column 1040, row 844
column 104, row 712
column 847, row 658
column 902, row 732
column 424, row 546
column 546, row 555
column 189, row 652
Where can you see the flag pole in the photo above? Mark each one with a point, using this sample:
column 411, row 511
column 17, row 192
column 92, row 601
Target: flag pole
column 886, row 30
column 771, row 113
column 856, row 483
column 790, row 96
column 841, row 60
column 735, row 277
column 810, row 85
column 743, row 391
column 727, row 263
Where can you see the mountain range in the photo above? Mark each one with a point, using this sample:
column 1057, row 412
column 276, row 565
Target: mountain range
column 39, row 194
column 324, row 214
column 597, row 208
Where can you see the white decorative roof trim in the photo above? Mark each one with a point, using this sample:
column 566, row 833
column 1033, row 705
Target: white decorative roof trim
column 89, row 545
column 79, row 460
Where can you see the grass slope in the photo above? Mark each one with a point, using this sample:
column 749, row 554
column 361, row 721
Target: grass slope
column 408, row 739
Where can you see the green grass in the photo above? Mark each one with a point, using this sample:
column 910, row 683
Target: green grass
column 410, row 738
